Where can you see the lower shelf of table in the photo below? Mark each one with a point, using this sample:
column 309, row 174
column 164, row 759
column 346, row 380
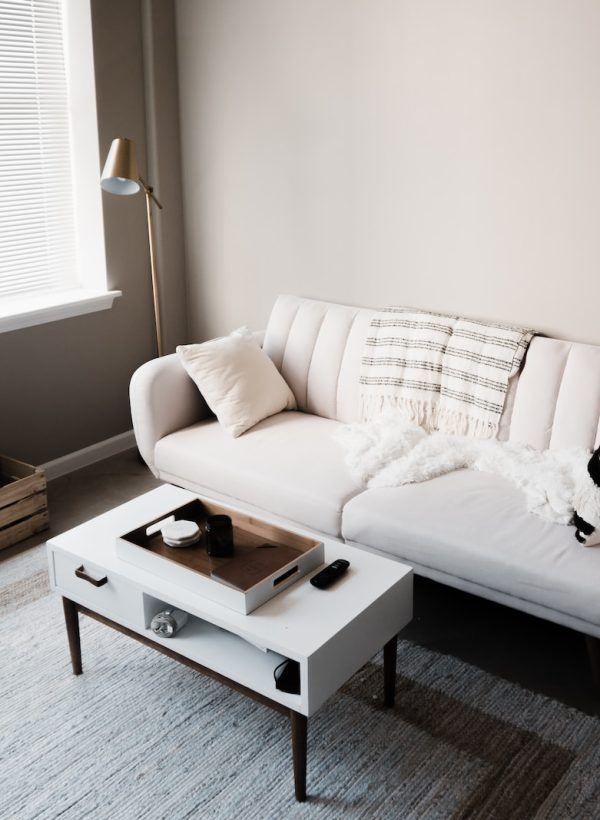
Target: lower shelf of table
column 222, row 651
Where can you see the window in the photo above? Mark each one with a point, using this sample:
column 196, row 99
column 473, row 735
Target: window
column 52, row 261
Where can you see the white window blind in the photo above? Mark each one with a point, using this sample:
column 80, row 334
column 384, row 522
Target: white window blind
column 38, row 249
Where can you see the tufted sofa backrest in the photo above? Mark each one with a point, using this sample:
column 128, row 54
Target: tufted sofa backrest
column 557, row 401
column 317, row 346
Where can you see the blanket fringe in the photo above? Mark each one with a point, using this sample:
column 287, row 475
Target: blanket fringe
column 456, row 424
column 421, row 413
column 428, row 416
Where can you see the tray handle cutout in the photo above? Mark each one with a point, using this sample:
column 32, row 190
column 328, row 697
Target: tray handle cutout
column 158, row 525
column 285, row 575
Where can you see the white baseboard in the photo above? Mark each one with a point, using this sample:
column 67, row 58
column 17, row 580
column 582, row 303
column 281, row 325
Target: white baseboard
column 89, row 455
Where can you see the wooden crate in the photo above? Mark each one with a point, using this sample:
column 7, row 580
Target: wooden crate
column 23, row 501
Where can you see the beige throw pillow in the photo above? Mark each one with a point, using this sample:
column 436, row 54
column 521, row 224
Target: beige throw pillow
column 237, row 379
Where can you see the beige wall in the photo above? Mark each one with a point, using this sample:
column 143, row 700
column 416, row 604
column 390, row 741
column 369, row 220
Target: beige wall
column 64, row 385
column 432, row 153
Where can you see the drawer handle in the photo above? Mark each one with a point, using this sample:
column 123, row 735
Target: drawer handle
column 99, row 582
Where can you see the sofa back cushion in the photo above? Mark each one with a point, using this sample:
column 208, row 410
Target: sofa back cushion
column 557, row 399
column 317, row 346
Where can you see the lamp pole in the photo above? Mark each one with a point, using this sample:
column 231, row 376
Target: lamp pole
column 149, row 192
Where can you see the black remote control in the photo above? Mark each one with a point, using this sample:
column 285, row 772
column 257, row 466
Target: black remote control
column 329, row 575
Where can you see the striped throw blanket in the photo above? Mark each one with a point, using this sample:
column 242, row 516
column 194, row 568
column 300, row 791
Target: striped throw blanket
column 443, row 372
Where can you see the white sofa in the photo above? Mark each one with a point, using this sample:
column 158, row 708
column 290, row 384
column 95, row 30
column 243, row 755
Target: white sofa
column 466, row 529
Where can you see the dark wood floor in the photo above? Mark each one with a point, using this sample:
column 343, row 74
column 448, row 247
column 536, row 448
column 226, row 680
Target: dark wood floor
column 531, row 652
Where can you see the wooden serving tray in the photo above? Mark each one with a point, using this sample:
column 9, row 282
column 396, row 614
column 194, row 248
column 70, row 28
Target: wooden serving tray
column 192, row 567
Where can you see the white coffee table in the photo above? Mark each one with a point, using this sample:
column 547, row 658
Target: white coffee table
column 331, row 633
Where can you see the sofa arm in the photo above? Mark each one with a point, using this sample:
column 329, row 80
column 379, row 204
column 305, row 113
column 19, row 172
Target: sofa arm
column 163, row 399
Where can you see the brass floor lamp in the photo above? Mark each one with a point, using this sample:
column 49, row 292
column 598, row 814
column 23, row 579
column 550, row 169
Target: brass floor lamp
column 121, row 176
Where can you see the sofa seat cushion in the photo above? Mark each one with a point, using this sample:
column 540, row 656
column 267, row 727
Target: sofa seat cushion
column 475, row 527
column 287, row 464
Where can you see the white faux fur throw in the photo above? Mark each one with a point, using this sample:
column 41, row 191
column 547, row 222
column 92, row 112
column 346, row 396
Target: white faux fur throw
column 389, row 452
column 442, row 372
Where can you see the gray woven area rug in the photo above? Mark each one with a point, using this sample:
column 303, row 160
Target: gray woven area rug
column 140, row 736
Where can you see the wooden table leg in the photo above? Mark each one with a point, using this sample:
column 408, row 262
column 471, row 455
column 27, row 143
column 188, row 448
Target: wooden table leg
column 72, row 622
column 299, row 730
column 390, row 652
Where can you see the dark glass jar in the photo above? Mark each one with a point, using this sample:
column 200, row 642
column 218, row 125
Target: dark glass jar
column 219, row 536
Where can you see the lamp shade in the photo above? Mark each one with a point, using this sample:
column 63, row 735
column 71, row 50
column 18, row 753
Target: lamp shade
column 120, row 174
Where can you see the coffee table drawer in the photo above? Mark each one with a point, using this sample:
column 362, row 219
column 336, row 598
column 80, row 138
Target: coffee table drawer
column 92, row 586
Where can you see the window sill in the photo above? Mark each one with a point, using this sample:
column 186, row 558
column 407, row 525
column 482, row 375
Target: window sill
column 49, row 307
